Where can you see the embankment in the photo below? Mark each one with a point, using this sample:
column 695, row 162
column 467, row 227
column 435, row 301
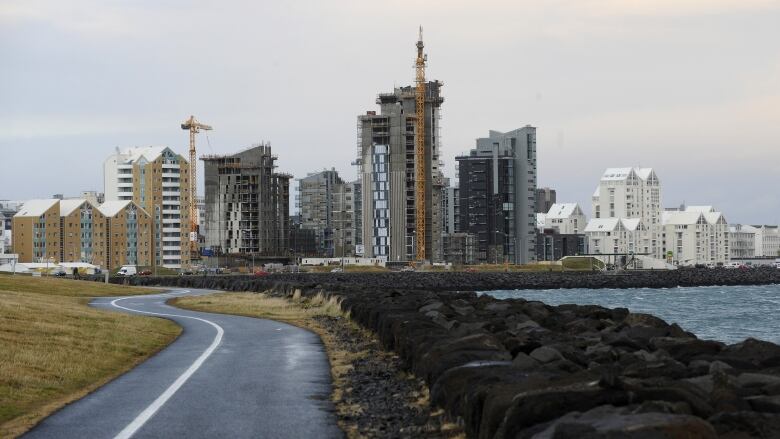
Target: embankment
column 516, row 368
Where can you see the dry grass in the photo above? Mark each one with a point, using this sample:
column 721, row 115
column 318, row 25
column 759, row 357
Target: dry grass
column 55, row 349
column 297, row 312
column 67, row 287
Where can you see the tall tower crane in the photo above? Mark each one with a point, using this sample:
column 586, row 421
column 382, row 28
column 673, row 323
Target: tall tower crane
column 194, row 127
column 420, row 149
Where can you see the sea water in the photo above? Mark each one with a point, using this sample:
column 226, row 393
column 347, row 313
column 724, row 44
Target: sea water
column 725, row 313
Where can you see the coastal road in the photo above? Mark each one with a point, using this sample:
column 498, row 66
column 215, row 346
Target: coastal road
column 225, row 376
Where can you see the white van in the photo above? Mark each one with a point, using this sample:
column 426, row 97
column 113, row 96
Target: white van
column 127, row 270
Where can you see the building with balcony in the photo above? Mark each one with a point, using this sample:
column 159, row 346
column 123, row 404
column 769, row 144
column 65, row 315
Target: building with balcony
column 767, row 242
column 742, row 241
column 632, row 193
column 7, row 211
column 113, row 234
column 696, row 235
column 613, row 236
column 158, row 181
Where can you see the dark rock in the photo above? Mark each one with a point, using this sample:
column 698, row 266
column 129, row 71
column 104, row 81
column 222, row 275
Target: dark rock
column 543, row 405
column 719, row 366
column 757, row 380
column 524, row 361
column 546, row 354
column 608, row 422
column 757, row 352
column 769, row 404
column 746, row 424
column 684, row 349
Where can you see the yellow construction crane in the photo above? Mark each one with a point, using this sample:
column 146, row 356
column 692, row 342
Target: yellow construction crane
column 420, row 150
column 194, row 127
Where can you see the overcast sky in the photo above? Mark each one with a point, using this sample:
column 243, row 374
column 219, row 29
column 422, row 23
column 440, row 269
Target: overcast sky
column 690, row 88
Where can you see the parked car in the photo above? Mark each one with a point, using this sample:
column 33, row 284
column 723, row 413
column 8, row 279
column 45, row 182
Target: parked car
column 337, row 270
column 145, row 273
column 59, row 274
column 260, row 273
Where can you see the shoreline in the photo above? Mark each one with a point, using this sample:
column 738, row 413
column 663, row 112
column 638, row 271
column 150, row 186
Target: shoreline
column 516, row 368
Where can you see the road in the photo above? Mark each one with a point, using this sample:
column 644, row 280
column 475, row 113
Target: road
column 225, row 376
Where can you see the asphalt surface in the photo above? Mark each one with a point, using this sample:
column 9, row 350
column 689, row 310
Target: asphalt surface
column 225, row 376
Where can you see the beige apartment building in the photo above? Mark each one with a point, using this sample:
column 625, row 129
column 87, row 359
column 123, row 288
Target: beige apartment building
column 158, row 181
column 36, row 231
column 113, row 234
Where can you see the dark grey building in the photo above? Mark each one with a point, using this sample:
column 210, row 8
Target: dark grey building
column 545, row 198
column 247, row 204
column 552, row 246
column 303, row 242
column 315, row 202
column 497, row 185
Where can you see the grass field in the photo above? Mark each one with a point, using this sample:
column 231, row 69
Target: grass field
column 55, row 349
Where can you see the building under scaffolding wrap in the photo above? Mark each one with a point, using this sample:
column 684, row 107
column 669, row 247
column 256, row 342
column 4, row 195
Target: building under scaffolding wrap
column 247, row 204
column 386, row 167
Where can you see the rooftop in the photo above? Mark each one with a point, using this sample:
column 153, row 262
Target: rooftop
column 68, row 206
column 564, row 210
column 36, row 207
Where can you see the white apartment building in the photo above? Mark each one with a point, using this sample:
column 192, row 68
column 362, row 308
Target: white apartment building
column 157, row 179
column 767, row 241
column 697, row 235
column 631, row 193
column 615, row 235
column 742, row 241
column 566, row 218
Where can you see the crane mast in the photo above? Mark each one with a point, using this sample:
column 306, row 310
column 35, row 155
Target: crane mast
column 194, row 127
column 420, row 150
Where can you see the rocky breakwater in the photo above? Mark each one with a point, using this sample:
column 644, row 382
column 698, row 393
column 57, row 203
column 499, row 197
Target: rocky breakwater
column 444, row 281
column 517, row 369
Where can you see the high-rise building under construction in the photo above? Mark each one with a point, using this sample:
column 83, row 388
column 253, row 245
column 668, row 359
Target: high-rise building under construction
column 387, row 169
column 247, row 204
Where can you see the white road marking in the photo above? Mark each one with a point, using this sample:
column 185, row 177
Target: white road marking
column 148, row 412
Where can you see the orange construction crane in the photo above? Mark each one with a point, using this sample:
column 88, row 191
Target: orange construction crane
column 194, row 127
column 419, row 159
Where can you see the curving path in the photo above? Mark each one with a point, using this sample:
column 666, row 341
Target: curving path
column 225, row 376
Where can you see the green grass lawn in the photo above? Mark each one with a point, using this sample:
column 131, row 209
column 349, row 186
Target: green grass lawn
column 54, row 348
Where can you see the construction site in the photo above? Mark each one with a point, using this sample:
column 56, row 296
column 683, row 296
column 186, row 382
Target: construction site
column 400, row 170
column 247, row 204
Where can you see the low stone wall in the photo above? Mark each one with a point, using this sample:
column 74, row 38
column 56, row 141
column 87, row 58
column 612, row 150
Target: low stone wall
column 516, row 368
column 461, row 281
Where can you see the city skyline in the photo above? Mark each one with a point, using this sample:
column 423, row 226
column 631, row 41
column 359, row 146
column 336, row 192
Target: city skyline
column 596, row 79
